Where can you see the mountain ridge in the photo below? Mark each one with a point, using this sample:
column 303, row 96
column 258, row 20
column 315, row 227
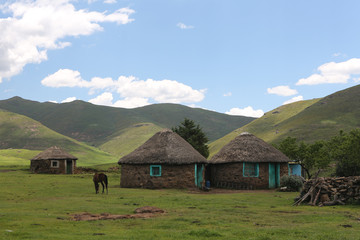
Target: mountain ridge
column 93, row 124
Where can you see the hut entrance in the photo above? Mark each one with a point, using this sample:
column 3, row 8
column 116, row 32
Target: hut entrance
column 199, row 169
column 69, row 167
column 274, row 175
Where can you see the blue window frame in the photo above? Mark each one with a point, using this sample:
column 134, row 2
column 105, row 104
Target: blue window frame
column 250, row 169
column 155, row 170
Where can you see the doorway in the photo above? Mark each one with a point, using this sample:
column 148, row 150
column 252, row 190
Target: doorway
column 69, row 167
column 274, row 175
column 199, row 169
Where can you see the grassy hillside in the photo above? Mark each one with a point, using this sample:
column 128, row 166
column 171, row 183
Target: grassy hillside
column 309, row 121
column 127, row 140
column 16, row 157
column 20, row 132
column 325, row 118
column 266, row 127
column 95, row 124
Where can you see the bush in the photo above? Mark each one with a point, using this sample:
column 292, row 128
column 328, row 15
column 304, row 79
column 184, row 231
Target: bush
column 292, row 183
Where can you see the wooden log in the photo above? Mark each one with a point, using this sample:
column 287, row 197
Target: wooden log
column 317, row 197
column 305, row 196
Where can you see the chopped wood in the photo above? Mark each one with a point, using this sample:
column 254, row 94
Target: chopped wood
column 330, row 191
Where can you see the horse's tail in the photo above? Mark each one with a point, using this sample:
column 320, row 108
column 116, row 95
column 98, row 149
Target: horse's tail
column 106, row 183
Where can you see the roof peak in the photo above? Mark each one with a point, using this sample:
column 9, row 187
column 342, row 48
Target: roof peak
column 245, row 134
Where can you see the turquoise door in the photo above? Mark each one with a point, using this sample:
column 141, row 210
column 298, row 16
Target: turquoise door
column 274, row 175
column 69, row 169
column 199, row 169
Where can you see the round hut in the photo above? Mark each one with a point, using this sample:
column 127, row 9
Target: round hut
column 248, row 162
column 53, row 160
column 166, row 160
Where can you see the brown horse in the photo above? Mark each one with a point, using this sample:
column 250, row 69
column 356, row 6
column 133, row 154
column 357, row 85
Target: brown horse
column 100, row 178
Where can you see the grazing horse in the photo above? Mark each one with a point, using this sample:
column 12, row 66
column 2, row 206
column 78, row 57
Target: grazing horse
column 100, row 178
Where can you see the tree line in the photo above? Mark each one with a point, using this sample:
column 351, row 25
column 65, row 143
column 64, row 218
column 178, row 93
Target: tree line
column 342, row 151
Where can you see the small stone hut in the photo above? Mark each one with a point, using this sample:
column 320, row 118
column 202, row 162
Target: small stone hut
column 248, row 162
column 166, row 160
column 53, row 160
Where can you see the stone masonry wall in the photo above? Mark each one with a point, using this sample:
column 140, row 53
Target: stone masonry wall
column 172, row 176
column 230, row 175
column 43, row 166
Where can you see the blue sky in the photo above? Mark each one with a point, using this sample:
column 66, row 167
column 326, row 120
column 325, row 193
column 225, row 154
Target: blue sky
column 230, row 56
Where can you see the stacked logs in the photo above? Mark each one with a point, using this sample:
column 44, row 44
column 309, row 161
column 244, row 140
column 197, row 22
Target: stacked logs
column 330, row 191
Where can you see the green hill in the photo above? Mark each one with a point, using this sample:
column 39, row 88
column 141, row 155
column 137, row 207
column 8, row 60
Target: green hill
column 326, row 117
column 127, row 140
column 309, row 121
column 94, row 124
column 20, row 132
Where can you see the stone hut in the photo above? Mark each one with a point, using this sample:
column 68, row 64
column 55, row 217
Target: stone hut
column 166, row 160
column 53, row 160
column 247, row 162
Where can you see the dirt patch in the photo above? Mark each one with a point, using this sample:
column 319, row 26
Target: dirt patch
column 289, row 212
column 6, row 170
column 143, row 212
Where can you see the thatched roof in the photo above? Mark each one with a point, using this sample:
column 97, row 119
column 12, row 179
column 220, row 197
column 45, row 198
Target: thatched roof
column 165, row 147
column 54, row 153
column 248, row 148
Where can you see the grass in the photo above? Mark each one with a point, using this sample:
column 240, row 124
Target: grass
column 38, row 206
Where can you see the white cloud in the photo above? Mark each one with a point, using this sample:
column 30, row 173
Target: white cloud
column 132, row 102
column 282, row 91
column 36, row 26
column 294, row 99
column 333, row 73
column 64, row 78
column 104, row 99
column 69, row 99
column 135, row 92
column 183, row 26
column 110, row 1
column 248, row 112
column 169, row 91
column 227, row 94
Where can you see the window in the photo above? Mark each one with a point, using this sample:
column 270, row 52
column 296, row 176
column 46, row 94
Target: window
column 54, row 164
column 250, row 169
column 155, row 170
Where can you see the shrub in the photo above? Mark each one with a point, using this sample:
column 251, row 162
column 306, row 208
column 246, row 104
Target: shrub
column 292, row 183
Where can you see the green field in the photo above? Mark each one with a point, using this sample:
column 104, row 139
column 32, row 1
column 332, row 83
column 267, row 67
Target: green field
column 38, row 206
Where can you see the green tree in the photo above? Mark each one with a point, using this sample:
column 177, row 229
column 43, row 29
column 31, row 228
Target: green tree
column 289, row 147
column 345, row 151
column 311, row 157
column 194, row 135
column 317, row 156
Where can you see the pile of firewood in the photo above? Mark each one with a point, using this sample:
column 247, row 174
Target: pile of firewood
column 330, row 191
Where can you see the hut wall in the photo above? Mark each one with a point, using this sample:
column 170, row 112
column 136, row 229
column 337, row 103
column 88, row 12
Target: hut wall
column 284, row 169
column 230, row 175
column 172, row 176
column 43, row 166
